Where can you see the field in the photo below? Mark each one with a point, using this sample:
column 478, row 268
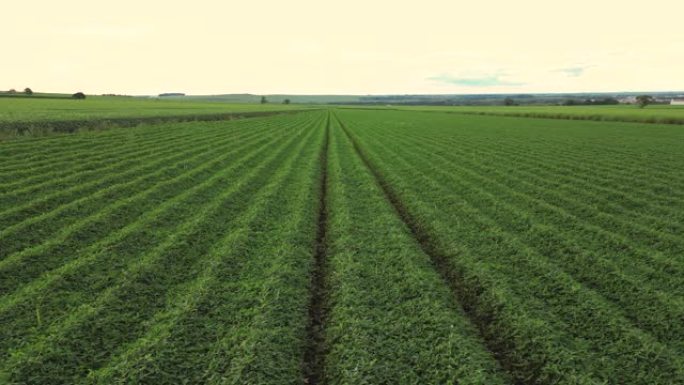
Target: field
column 103, row 107
column 21, row 116
column 343, row 246
column 665, row 114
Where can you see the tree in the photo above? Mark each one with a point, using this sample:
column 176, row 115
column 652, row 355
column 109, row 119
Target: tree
column 263, row 100
column 28, row 91
column 509, row 102
column 78, row 95
column 644, row 100
column 286, row 101
column 12, row 91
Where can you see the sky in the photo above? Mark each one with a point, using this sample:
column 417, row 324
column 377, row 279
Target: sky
column 143, row 47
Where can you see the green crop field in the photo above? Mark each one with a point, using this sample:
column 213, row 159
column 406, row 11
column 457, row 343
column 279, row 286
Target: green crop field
column 102, row 107
column 21, row 116
column 340, row 246
column 625, row 113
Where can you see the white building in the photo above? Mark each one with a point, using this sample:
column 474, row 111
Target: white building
column 677, row 102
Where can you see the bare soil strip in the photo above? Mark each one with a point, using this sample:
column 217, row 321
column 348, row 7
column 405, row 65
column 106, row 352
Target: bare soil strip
column 314, row 355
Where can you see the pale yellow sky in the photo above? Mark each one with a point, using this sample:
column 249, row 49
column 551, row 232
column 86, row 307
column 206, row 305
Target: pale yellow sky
column 342, row 47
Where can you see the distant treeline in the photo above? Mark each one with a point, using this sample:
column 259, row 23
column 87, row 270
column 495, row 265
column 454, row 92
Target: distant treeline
column 505, row 99
column 591, row 102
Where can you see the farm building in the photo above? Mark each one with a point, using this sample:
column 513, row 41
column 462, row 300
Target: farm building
column 677, row 102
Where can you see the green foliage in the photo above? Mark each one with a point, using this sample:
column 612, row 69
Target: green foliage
column 622, row 113
column 510, row 102
column 37, row 109
column 139, row 236
column 393, row 320
column 644, row 100
column 41, row 115
column 457, row 249
column 562, row 262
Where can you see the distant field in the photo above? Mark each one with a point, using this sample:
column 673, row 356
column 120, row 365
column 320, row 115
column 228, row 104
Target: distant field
column 628, row 113
column 98, row 107
column 38, row 116
column 344, row 246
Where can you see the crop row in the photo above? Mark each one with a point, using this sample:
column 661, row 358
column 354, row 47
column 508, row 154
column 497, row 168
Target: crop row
column 133, row 154
column 244, row 316
column 561, row 292
column 391, row 320
column 107, row 289
column 23, row 157
column 344, row 247
column 72, row 160
column 40, row 218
